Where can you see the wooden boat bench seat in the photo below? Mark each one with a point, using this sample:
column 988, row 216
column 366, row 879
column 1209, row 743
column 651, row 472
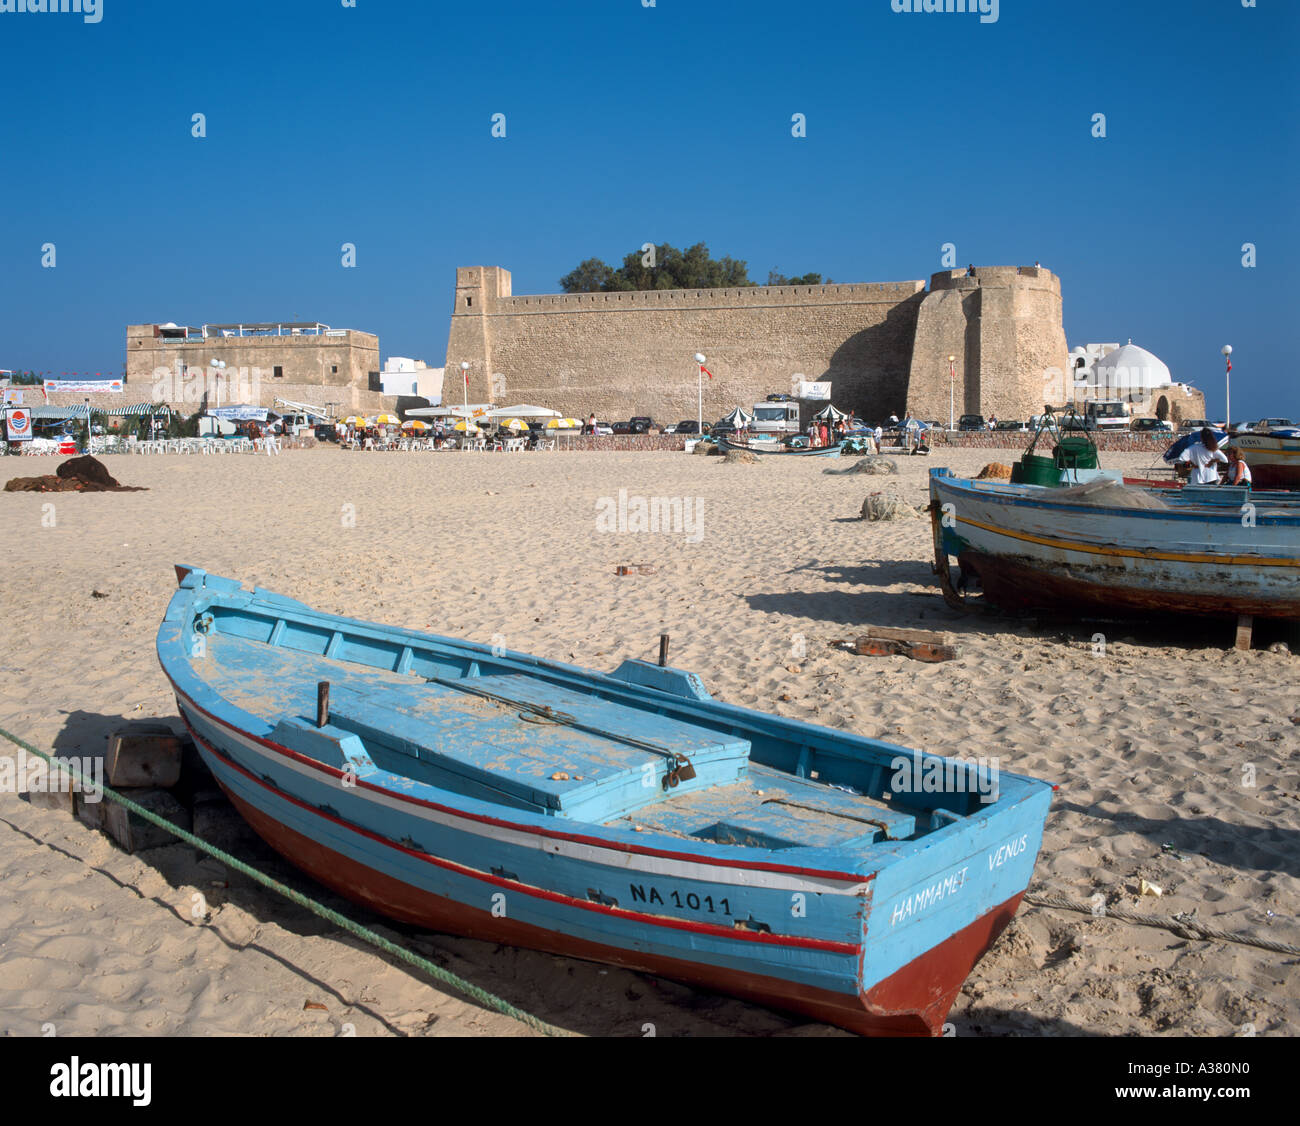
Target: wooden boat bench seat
column 772, row 810
column 521, row 743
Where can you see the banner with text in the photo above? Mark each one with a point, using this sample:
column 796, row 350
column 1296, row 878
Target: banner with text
column 83, row 386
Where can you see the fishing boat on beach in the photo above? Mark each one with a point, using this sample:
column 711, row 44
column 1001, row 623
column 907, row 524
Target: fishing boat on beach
column 625, row 817
column 775, row 449
column 1106, row 548
column 1274, row 458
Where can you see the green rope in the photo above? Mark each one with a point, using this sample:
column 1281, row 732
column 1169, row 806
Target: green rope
column 482, row 996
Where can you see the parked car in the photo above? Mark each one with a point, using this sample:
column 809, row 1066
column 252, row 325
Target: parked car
column 969, row 422
column 640, row 424
column 722, row 429
column 1190, row 424
column 1151, row 426
column 620, row 428
column 604, row 428
column 687, row 426
column 1009, row 424
column 325, row 432
column 1078, row 422
column 1264, row 425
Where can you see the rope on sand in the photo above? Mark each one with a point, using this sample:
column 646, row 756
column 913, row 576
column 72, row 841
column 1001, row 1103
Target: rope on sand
column 1181, row 924
column 482, row 996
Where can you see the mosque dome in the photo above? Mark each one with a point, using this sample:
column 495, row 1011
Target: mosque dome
column 1131, row 368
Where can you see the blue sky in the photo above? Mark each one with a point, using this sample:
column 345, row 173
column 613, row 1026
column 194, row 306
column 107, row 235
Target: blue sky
column 625, row 124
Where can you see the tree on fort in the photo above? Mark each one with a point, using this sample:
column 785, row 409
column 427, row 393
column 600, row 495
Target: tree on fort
column 774, row 278
column 693, row 268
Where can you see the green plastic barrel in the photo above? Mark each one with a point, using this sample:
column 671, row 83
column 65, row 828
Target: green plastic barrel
column 1035, row 470
column 1076, row 453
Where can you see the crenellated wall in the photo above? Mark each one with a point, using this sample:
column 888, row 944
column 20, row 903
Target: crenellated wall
column 620, row 354
column 882, row 346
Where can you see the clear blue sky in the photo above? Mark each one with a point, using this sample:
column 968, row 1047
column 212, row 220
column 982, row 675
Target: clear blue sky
column 626, row 124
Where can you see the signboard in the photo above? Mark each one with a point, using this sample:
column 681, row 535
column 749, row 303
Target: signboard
column 18, row 420
column 813, row 392
column 13, row 397
column 239, row 413
column 83, row 387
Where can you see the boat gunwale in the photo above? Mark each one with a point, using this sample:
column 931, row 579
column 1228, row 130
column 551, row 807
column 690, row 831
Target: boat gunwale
column 941, row 477
column 1013, row 788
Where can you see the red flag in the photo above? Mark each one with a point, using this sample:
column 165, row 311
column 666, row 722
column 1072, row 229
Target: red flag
column 1229, row 365
column 706, row 371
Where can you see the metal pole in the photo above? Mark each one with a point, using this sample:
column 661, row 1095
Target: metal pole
column 952, row 391
column 464, row 371
column 1227, row 388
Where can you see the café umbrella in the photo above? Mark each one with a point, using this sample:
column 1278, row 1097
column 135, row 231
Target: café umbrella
column 564, row 424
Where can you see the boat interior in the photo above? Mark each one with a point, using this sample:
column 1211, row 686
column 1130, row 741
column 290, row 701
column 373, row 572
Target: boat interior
column 641, row 749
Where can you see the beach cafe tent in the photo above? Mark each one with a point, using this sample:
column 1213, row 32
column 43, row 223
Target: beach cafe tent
column 739, row 419
column 524, row 410
column 830, row 413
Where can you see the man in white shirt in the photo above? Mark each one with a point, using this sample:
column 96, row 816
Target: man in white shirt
column 1202, row 456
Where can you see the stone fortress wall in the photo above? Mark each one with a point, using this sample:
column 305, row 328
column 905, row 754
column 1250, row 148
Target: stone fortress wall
column 884, row 347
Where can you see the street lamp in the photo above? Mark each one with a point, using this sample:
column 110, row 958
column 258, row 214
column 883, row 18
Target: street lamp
column 218, row 367
column 464, row 371
column 1227, row 389
column 952, row 390
column 699, row 404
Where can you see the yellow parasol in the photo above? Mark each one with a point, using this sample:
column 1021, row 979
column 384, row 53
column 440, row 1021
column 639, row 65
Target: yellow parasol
column 564, row 424
column 514, row 424
column 415, row 424
column 355, row 420
column 461, row 427
column 387, row 420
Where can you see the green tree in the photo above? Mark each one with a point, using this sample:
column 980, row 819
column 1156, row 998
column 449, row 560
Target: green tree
column 692, row 268
column 775, row 278
column 591, row 276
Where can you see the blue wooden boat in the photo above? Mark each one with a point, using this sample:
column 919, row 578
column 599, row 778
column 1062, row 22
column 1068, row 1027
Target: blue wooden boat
column 1107, row 548
column 774, row 450
column 627, row 818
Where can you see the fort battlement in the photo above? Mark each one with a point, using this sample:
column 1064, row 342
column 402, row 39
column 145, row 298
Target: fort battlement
column 882, row 344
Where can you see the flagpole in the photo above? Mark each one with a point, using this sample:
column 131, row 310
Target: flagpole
column 1227, row 389
column 699, row 404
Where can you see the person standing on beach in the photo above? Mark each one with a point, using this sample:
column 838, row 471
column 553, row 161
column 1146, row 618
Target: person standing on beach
column 1201, row 457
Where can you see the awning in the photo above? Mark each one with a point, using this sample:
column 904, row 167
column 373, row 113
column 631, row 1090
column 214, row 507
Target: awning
column 830, row 413
column 522, row 411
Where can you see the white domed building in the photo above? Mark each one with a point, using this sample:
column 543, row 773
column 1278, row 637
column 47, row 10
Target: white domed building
column 1140, row 378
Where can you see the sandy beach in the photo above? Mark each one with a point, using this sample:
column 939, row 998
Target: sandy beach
column 1176, row 755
